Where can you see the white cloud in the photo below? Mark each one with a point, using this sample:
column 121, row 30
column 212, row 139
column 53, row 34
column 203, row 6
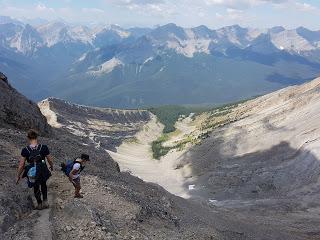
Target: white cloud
column 305, row 7
column 232, row 15
column 243, row 4
column 236, row 15
column 235, row 4
column 43, row 8
column 156, row 8
column 296, row 5
column 135, row 2
column 182, row 12
column 92, row 10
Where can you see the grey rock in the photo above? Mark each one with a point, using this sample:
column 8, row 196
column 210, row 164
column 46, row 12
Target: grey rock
column 17, row 111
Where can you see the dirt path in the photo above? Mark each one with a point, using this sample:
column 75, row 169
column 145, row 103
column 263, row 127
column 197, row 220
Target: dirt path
column 42, row 229
column 136, row 157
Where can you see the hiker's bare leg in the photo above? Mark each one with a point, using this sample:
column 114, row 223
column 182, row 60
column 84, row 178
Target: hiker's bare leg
column 77, row 190
column 37, row 193
column 77, row 187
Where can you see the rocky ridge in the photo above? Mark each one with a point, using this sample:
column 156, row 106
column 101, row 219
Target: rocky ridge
column 17, row 111
column 102, row 127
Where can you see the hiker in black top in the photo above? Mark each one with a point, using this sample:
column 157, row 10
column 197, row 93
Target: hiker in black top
column 35, row 155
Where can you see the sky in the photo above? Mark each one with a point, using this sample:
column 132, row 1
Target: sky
column 186, row 13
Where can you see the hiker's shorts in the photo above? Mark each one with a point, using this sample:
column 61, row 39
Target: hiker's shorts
column 76, row 182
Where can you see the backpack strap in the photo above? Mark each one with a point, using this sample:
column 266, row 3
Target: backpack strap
column 37, row 148
column 27, row 147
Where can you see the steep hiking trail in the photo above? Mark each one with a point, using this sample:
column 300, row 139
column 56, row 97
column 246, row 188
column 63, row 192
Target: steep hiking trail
column 42, row 229
column 79, row 218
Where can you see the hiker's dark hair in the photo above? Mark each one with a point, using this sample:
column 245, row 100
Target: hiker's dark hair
column 32, row 134
column 85, row 157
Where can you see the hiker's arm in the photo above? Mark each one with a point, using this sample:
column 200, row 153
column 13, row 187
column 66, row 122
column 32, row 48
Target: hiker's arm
column 20, row 168
column 50, row 161
column 73, row 172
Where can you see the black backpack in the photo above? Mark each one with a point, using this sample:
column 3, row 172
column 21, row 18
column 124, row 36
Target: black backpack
column 35, row 154
column 37, row 165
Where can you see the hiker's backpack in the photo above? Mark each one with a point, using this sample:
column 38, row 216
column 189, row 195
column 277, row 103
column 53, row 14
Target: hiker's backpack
column 67, row 167
column 35, row 154
column 35, row 158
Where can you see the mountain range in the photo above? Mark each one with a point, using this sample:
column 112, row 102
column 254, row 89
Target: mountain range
column 138, row 67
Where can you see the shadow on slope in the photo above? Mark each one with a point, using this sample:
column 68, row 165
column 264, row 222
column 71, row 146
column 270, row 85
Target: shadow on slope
column 277, row 187
column 280, row 172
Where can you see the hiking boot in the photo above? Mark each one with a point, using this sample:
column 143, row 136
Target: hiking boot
column 45, row 204
column 39, row 206
column 78, row 196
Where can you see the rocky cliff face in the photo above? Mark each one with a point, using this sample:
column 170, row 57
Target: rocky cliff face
column 103, row 127
column 19, row 112
column 261, row 158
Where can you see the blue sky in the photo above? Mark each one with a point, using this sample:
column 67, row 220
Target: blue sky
column 187, row 13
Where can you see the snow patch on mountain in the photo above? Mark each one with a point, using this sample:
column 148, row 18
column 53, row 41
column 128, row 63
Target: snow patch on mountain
column 106, row 67
column 83, row 57
column 148, row 60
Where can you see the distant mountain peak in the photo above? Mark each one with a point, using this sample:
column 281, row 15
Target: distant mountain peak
column 7, row 19
column 277, row 29
column 169, row 25
column 202, row 27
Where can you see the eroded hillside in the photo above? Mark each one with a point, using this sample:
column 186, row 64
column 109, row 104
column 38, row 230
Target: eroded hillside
column 258, row 159
column 261, row 158
column 100, row 126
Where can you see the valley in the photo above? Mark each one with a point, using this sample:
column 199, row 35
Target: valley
column 136, row 156
column 248, row 170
